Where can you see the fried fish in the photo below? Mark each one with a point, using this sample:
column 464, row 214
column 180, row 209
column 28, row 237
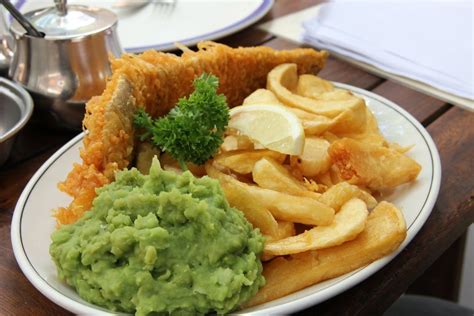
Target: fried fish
column 156, row 81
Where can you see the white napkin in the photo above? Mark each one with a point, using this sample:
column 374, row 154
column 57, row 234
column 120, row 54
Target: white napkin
column 429, row 41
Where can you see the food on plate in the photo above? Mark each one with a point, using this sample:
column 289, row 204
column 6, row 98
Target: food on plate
column 314, row 159
column 312, row 87
column 161, row 243
column 243, row 161
column 107, row 148
column 302, row 160
column 156, row 81
column 193, row 130
column 270, row 174
column 283, row 79
column 347, row 224
column 254, row 121
column 283, row 206
column 384, row 232
column 338, row 194
column 376, row 167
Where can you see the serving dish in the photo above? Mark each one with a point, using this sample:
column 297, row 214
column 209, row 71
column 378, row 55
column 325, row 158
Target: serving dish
column 32, row 222
column 164, row 20
column 16, row 108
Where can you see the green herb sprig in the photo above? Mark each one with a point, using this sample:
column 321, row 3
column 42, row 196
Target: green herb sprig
column 193, row 130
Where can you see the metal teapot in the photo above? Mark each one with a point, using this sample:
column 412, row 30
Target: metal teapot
column 66, row 67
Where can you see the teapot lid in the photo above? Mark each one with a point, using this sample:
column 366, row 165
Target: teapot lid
column 68, row 22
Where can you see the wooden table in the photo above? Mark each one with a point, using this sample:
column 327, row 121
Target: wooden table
column 451, row 128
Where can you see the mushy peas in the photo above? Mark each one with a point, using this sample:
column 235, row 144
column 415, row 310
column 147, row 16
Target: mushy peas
column 163, row 243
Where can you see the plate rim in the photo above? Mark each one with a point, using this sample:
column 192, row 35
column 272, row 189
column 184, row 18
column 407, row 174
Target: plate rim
column 235, row 27
column 352, row 278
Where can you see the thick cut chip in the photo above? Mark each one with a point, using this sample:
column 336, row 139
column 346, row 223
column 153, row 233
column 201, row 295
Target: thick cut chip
column 325, row 179
column 269, row 174
column 338, row 194
column 313, row 124
column 375, row 167
column 283, row 79
column 243, row 161
column 284, row 207
column 261, row 96
column 311, row 86
column 348, row 223
column 370, row 134
column 238, row 196
column 145, row 154
column 314, row 159
column 353, row 118
column 237, row 142
column 384, row 232
column 298, row 209
column 285, row 229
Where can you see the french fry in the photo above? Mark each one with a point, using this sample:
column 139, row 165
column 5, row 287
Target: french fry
column 261, row 96
column 311, row 86
column 375, row 167
column 145, row 154
column 243, row 161
column 313, row 124
column 353, row 118
column 369, row 134
column 384, row 232
column 169, row 163
column 330, row 137
column 314, row 159
column 237, row 142
column 285, row 229
column 325, row 179
column 298, row 209
column 254, row 211
column 284, row 78
column 337, row 195
column 284, row 207
column 348, row 223
column 269, row 174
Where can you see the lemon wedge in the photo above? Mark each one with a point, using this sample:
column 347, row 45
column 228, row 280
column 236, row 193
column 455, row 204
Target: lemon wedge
column 271, row 125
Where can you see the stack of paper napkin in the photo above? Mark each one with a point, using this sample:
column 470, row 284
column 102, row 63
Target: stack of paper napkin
column 429, row 41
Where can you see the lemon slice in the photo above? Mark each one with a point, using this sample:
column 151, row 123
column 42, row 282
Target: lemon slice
column 273, row 126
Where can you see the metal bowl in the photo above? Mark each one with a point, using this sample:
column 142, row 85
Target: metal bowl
column 16, row 107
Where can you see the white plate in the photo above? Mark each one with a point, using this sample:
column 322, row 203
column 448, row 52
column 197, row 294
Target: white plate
column 163, row 22
column 33, row 224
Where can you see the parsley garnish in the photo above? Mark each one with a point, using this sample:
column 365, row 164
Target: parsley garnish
column 193, row 130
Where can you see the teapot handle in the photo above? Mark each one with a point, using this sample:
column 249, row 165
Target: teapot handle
column 6, row 41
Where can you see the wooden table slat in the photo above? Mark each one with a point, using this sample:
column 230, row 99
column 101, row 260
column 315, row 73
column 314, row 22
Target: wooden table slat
column 420, row 105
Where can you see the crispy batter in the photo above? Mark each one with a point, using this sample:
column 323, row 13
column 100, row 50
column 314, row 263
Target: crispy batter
column 156, row 81
column 373, row 166
column 108, row 147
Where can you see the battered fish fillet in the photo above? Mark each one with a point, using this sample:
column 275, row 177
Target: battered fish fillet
column 373, row 166
column 156, row 81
